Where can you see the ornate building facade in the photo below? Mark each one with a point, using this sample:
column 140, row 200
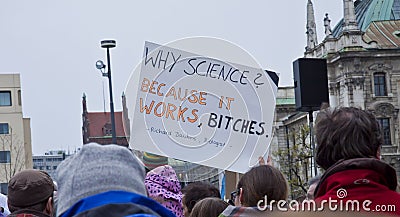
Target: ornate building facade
column 363, row 60
column 363, row 56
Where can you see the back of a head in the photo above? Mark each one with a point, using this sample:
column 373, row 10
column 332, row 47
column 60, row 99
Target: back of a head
column 261, row 181
column 96, row 169
column 346, row 133
column 163, row 185
column 197, row 191
column 29, row 189
column 209, row 207
column 163, row 182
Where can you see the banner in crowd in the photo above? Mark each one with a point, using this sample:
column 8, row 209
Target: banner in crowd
column 200, row 109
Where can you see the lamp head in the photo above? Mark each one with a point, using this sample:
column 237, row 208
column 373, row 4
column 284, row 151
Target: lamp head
column 100, row 65
column 108, row 43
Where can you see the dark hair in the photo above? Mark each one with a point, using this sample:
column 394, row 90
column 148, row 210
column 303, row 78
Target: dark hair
column 346, row 133
column 261, row 181
column 197, row 191
column 209, row 207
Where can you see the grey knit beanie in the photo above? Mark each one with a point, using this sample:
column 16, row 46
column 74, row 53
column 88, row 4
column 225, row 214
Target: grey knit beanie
column 96, row 169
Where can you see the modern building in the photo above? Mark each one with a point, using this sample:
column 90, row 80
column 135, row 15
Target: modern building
column 50, row 161
column 15, row 131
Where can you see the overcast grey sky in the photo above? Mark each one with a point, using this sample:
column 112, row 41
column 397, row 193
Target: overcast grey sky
column 54, row 46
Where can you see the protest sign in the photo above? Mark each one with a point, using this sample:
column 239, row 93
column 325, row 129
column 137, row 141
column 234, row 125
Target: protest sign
column 200, row 109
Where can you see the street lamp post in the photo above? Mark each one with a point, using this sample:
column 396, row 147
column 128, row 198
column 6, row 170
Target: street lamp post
column 100, row 65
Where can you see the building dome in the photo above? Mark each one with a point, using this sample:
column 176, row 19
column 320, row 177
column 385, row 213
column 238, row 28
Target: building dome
column 368, row 11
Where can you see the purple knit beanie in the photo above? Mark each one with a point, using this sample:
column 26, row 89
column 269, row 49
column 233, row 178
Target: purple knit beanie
column 163, row 183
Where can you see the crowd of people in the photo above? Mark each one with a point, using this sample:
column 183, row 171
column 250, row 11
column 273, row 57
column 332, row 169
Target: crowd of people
column 109, row 180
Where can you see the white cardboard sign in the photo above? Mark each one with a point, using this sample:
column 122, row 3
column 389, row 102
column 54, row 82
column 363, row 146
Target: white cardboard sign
column 200, row 109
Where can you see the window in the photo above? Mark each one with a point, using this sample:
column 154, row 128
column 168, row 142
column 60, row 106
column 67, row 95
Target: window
column 40, row 168
column 48, row 167
column 19, row 98
column 4, row 129
column 385, row 124
column 5, row 157
column 3, row 188
column 54, row 167
column 397, row 33
column 380, row 84
column 107, row 129
column 5, row 98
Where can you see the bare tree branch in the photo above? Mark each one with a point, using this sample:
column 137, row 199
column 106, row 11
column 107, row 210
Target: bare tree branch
column 10, row 142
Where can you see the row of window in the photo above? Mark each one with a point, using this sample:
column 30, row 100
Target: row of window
column 5, row 100
column 47, row 167
column 57, row 159
column 380, row 86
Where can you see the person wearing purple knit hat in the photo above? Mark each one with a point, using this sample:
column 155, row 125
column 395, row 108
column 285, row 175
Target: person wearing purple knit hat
column 163, row 185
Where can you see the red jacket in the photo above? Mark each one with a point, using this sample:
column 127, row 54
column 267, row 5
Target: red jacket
column 366, row 183
column 28, row 213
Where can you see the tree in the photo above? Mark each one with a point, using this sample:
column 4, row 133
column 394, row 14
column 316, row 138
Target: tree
column 295, row 159
column 15, row 160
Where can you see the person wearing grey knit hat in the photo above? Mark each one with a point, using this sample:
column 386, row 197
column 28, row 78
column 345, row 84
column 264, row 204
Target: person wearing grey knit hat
column 104, row 180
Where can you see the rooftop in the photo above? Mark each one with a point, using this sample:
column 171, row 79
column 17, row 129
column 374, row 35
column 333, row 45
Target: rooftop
column 368, row 11
column 385, row 33
column 97, row 120
column 285, row 101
